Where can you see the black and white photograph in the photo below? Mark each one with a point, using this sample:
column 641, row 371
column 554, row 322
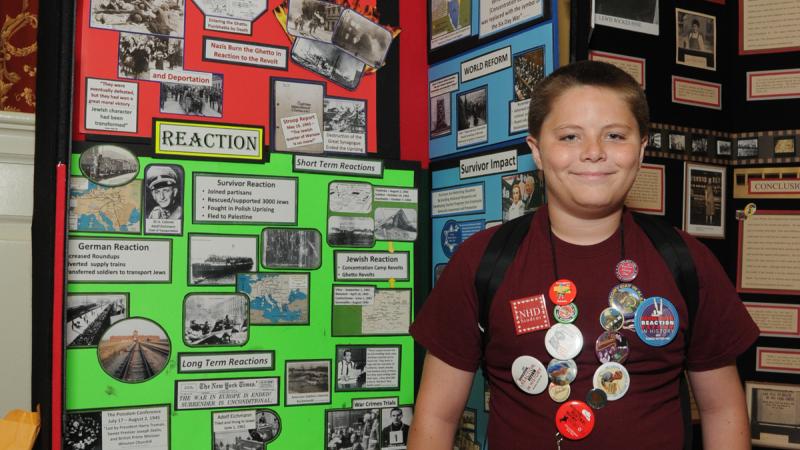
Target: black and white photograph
column 163, row 199
column 140, row 54
column 351, row 231
column 245, row 429
column 747, row 148
column 329, row 61
column 342, row 115
column 704, row 200
column 345, row 125
column 441, row 122
column 83, row 431
column 699, row 145
column 239, row 9
column 654, row 139
column 783, row 146
column 522, row 193
column 215, row 260
column 395, row 423
column 367, row 367
column 352, row 429
column 723, row 147
column 438, row 270
column 472, row 109
column 134, row 350
column 351, row 363
column 677, row 142
column 774, row 413
column 163, row 17
column 215, row 319
column 290, row 248
column 192, row 100
column 308, row 382
column 528, row 71
column 362, row 38
column 347, row 197
column 88, row 316
column 466, row 431
column 299, row 104
column 632, row 15
column 696, row 39
column 396, row 224
column 313, row 19
column 109, row 165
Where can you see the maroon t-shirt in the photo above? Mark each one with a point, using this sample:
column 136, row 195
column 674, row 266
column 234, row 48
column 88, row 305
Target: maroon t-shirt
column 648, row 416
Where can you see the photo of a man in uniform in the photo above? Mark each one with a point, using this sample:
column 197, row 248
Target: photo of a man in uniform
column 163, row 199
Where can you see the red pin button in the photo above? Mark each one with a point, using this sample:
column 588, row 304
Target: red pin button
column 626, row 270
column 562, row 292
column 575, row 420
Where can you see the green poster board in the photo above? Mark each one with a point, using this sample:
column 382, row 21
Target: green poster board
column 210, row 320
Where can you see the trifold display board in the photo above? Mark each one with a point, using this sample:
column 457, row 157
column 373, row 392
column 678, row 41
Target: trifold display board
column 239, row 274
column 468, row 195
column 485, row 60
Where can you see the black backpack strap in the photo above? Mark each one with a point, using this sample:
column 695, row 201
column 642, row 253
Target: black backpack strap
column 679, row 260
column 492, row 268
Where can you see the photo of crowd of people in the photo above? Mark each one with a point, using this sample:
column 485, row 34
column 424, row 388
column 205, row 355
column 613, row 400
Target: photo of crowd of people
column 528, row 70
column 203, row 101
column 141, row 16
column 83, row 431
column 139, row 54
column 353, row 430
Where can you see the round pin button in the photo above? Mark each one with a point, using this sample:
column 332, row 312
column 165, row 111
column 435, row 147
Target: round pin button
column 574, row 420
column 559, row 393
column 562, row 292
column 613, row 379
column 626, row 298
column 656, row 321
column 566, row 313
column 563, row 341
column 597, row 398
column 611, row 319
column 612, row 347
column 562, row 372
column 626, row 270
column 529, row 374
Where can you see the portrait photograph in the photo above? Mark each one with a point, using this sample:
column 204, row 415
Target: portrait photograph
column 395, row 424
column 704, row 200
column 677, row 142
column 163, row 199
column 696, row 39
column 351, row 365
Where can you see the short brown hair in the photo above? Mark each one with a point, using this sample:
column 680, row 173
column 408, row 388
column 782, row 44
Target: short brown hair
column 587, row 73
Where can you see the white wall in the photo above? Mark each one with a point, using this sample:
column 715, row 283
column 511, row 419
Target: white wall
column 16, row 207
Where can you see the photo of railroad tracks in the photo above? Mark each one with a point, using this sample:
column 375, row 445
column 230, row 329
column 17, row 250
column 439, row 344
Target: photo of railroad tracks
column 134, row 350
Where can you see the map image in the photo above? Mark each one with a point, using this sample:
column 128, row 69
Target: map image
column 97, row 208
column 276, row 298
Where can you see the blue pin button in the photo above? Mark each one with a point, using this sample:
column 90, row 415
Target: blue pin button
column 656, row 321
